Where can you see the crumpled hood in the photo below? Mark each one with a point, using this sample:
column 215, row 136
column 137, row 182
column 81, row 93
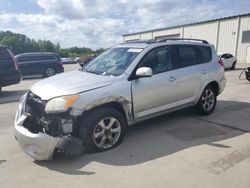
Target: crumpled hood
column 69, row 83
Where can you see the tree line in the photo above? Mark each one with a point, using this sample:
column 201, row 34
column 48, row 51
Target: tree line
column 20, row 43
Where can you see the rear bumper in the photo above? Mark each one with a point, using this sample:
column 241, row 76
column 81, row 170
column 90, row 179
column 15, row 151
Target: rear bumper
column 223, row 82
column 11, row 78
column 60, row 69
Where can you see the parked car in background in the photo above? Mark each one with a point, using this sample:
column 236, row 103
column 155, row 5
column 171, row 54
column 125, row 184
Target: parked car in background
column 85, row 60
column 40, row 63
column 9, row 72
column 126, row 84
column 68, row 60
column 228, row 60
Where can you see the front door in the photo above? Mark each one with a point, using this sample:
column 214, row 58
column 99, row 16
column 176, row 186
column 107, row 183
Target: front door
column 157, row 93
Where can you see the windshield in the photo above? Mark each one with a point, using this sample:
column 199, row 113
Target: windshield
column 113, row 61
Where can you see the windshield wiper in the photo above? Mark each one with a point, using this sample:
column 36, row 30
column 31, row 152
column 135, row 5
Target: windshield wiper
column 93, row 72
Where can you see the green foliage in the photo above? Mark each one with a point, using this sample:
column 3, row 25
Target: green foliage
column 20, row 44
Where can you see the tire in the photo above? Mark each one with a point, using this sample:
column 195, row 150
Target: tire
column 50, row 71
column 207, row 102
column 96, row 133
column 233, row 66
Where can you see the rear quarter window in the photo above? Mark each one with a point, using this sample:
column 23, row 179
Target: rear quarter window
column 189, row 55
column 206, row 54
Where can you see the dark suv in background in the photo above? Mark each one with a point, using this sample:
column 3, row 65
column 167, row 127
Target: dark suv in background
column 40, row 63
column 9, row 72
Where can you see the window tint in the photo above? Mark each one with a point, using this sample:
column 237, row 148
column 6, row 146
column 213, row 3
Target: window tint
column 206, row 53
column 188, row 55
column 35, row 58
column 159, row 60
column 245, row 36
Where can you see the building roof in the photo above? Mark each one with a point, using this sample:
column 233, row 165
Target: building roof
column 172, row 27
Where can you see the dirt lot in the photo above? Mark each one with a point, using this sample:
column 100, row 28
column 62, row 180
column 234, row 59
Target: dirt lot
column 176, row 150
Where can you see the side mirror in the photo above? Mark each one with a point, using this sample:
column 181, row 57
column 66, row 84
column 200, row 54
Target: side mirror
column 144, row 72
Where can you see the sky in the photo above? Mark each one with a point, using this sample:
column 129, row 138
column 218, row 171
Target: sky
column 101, row 23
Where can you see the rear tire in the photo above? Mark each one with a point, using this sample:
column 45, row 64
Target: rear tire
column 207, row 102
column 233, row 66
column 102, row 129
column 50, row 71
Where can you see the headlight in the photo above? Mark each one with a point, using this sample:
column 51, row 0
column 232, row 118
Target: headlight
column 61, row 104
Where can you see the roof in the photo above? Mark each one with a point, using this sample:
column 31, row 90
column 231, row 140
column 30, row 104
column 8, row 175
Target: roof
column 37, row 53
column 195, row 23
column 145, row 43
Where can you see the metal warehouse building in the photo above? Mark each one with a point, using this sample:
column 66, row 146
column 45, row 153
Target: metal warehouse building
column 229, row 34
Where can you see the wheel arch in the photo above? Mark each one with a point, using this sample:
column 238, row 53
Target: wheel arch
column 118, row 103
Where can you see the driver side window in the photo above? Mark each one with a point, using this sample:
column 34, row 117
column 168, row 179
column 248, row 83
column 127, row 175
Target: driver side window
column 159, row 60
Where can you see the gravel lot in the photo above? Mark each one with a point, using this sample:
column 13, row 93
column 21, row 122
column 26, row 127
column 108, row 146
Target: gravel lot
column 176, row 150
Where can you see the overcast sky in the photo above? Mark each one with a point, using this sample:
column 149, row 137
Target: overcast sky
column 101, row 23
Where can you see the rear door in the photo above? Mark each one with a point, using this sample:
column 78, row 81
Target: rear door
column 193, row 66
column 159, row 92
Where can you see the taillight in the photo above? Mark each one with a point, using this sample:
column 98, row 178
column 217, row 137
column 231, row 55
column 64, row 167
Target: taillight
column 60, row 62
column 221, row 63
column 14, row 59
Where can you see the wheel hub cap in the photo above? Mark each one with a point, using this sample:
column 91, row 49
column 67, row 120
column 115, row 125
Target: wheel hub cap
column 106, row 133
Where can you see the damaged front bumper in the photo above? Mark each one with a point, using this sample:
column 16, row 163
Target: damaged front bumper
column 39, row 145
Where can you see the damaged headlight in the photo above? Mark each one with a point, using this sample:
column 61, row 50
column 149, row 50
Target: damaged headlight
column 61, row 104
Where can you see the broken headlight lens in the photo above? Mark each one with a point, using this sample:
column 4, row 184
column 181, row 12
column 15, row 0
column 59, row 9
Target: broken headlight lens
column 61, row 104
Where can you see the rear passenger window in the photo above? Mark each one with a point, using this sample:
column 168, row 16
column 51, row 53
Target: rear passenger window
column 188, row 55
column 35, row 58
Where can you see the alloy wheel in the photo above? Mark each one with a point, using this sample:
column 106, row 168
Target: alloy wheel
column 208, row 99
column 106, row 133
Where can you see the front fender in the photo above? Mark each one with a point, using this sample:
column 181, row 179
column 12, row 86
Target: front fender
column 127, row 105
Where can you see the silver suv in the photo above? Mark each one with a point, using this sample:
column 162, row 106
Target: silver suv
column 90, row 109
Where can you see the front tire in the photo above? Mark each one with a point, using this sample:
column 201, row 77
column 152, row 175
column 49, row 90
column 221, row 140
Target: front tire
column 102, row 129
column 207, row 102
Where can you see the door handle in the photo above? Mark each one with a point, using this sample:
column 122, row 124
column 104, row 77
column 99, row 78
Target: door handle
column 171, row 79
column 204, row 72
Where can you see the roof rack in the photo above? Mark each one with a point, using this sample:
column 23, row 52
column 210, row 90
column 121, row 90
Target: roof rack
column 187, row 39
column 150, row 41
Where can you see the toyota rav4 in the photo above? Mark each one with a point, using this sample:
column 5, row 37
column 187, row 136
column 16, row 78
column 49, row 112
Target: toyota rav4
column 91, row 108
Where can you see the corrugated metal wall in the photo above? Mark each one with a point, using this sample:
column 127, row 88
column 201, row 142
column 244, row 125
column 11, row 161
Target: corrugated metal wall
column 242, row 47
column 206, row 31
column 227, row 38
column 167, row 32
column 225, row 34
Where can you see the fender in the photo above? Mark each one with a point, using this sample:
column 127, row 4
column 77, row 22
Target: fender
column 126, row 105
column 203, row 86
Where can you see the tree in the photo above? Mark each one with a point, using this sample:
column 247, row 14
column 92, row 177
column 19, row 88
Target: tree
column 20, row 44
